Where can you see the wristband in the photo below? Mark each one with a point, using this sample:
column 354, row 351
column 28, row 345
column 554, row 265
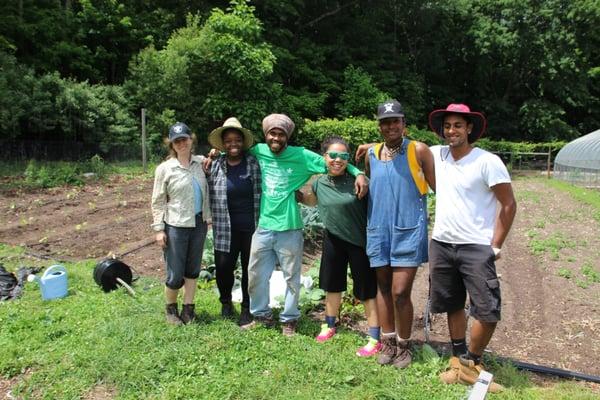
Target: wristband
column 497, row 251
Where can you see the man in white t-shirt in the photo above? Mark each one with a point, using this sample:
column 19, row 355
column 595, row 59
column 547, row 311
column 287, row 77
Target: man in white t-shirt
column 468, row 234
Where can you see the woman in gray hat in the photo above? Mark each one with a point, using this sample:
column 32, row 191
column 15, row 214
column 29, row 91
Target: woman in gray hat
column 180, row 211
column 235, row 189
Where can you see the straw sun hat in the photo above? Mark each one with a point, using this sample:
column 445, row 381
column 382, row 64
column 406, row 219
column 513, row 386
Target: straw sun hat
column 215, row 138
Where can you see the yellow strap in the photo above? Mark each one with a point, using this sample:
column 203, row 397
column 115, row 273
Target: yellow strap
column 377, row 150
column 415, row 168
column 413, row 165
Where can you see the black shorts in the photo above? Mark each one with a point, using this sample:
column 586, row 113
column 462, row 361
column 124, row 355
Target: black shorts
column 337, row 253
column 456, row 269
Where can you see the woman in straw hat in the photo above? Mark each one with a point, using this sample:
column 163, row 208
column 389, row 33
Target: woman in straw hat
column 235, row 188
column 180, row 214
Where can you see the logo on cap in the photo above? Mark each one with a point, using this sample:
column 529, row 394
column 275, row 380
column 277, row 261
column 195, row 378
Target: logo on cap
column 178, row 129
column 389, row 107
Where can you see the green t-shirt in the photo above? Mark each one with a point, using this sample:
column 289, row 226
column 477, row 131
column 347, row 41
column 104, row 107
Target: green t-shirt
column 283, row 174
column 342, row 213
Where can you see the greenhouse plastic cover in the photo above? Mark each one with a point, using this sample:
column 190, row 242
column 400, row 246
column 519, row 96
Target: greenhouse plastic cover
column 583, row 152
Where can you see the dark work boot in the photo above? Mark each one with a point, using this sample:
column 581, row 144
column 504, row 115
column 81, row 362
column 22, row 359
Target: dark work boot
column 188, row 314
column 172, row 315
column 245, row 316
column 226, row 310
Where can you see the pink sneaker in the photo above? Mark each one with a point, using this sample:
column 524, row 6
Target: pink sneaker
column 326, row 333
column 371, row 348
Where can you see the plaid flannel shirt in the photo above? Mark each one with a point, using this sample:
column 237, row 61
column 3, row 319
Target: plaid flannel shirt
column 217, row 186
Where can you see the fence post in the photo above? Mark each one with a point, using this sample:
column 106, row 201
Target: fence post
column 549, row 161
column 144, row 139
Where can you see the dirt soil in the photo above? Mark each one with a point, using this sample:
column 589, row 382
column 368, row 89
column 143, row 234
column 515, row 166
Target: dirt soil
column 548, row 319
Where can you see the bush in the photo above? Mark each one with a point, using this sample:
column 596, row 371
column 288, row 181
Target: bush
column 51, row 174
column 208, row 71
column 360, row 130
column 355, row 131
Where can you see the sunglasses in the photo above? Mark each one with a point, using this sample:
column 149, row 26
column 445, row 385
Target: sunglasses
column 338, row 154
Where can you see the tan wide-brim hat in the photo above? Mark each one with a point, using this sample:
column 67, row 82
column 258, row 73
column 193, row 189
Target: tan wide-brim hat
column 215, row 138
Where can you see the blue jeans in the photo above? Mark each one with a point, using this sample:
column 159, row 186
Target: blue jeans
column 268, row 247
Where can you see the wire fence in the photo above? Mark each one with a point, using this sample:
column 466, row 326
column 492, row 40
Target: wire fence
column 65, row 151
column 577, row 175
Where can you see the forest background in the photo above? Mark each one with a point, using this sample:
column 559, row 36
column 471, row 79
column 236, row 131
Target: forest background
column 79, row 71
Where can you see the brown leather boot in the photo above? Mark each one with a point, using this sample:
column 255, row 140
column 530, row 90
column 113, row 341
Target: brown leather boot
column 403, row 354
column 172, row 315
column 468, row 373
column 188, row 314
column 388, row 350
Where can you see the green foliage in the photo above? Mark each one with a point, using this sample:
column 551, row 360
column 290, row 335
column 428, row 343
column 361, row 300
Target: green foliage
column 13, row 105
column 504, row 146
column 586, row 196
column 51, row 174
column 58, row 174
column 206, row 73
column 552, row 244
column 50, row 107
column 564, row 273
column 193, row 62
column 93, row 340
column 590, row 273
column 359, row 97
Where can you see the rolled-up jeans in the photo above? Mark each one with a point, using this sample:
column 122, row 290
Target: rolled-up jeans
column 268, row 248
column 183, row 254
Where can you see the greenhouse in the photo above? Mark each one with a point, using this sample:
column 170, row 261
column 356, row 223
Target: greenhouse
column 579, row 161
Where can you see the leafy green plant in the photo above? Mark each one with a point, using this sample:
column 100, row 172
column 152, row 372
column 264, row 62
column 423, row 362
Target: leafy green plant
column 552, row 244
column 51, row 174
column 564, row 273
column 586, row 196
column 590, row 273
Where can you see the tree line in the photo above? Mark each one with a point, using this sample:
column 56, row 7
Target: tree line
column 82, row 69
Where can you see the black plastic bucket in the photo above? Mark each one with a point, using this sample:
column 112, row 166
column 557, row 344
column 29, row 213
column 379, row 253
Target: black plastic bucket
column 108, row 270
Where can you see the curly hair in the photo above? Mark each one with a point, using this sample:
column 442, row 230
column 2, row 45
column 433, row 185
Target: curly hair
column 332, row 140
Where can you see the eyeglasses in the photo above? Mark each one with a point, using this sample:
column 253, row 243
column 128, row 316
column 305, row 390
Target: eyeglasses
column 338, row 154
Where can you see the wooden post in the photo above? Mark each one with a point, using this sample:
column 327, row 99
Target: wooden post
column 144, row 139
column 549, row 161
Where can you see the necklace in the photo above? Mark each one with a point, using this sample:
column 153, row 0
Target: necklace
column 394, row 151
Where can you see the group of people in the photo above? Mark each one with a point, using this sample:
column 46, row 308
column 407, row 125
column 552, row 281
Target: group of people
column 377, row 226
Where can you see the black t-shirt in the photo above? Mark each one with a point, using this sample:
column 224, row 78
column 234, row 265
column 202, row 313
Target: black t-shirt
column 240, row 199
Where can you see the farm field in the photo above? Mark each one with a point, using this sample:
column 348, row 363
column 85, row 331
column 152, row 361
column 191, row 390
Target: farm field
column 549, row 270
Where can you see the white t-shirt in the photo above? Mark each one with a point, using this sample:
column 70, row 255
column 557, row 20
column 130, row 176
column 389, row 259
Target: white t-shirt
column 465, row 206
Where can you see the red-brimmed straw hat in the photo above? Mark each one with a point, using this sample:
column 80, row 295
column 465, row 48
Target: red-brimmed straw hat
column 436, row 120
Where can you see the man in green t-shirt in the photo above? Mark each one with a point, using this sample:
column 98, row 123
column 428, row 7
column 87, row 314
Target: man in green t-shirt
column 278, row 238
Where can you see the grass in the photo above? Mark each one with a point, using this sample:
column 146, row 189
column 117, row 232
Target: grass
column 587, row 196
column 46, row 174
column 552, row 244
column 65, row 348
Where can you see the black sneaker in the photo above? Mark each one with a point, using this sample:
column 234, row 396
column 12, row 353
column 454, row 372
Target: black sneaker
column 226, row 310
column 188, row 313
column 245, row 316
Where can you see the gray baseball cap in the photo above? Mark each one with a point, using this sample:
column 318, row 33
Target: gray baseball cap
column 390, row 109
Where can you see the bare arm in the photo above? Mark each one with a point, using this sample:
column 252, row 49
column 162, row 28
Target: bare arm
column 425, row 158
column 362, row 150
column 508, row 209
